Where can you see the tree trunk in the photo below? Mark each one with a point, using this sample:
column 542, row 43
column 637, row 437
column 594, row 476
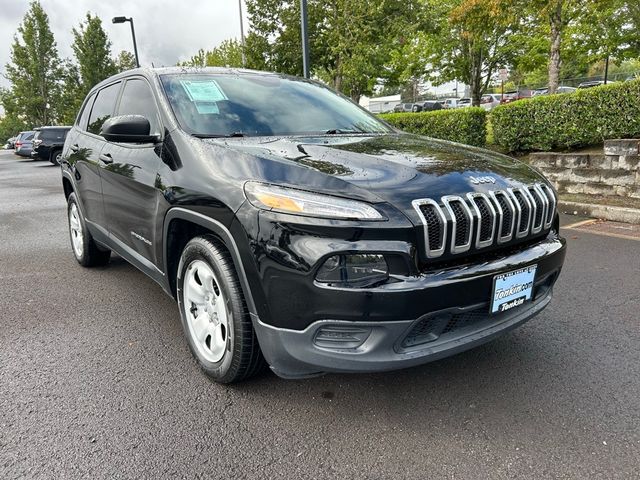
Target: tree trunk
column 476, row 79
column 555, row 22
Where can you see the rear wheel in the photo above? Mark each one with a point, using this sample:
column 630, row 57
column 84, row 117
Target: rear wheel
column 84, row 248
column 55, row 157
column 214, row 314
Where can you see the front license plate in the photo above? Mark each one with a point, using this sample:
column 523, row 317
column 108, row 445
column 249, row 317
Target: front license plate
column 512, row 289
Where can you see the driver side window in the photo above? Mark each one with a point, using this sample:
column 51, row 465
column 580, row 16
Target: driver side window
column 137, row 99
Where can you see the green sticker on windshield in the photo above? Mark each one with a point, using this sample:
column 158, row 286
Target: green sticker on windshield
column 207, row 107
column 205, row 91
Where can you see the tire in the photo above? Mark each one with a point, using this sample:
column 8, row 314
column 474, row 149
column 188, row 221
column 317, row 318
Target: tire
column 214, row 314
column 84, row 248
column 55, row 157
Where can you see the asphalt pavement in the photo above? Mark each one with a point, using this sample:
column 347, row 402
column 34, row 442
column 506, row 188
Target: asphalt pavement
column 97, row 381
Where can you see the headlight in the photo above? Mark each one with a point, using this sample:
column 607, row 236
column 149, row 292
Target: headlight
column 299, row 202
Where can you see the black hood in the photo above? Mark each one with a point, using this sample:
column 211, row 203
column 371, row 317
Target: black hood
column 396, row 168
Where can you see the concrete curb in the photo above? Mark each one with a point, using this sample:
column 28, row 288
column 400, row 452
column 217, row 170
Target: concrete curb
column 615, row 214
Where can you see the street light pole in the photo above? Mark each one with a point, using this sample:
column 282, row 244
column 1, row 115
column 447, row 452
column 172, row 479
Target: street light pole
column 133, row 34
column 244, row 59
column 305, row 38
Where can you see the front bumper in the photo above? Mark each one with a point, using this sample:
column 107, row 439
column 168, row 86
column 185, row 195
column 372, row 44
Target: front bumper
column 453, row 317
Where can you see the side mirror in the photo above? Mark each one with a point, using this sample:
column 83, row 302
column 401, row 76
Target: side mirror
column 128, row 129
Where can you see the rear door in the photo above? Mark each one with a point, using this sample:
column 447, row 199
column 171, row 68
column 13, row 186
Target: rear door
column 129, row 180
column 83, row 154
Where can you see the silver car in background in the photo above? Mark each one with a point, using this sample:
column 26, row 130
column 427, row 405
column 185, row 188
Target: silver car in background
column 24, row 143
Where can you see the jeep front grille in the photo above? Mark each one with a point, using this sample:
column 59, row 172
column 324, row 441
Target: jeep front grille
column 455, row 224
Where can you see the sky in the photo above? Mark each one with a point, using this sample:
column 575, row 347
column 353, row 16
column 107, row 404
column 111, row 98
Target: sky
column 167, row 31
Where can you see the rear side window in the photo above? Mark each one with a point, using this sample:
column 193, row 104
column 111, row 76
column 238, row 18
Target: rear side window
column 103, row 107
column 28, row 136
column 53, row 134
column 137, row 99
column 84, row 116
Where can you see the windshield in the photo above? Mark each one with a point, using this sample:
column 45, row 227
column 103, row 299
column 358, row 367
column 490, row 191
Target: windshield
column 258, row 104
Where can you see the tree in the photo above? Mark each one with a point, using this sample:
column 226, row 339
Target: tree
column 34, row 71
column 71, row 97
column 351, row 41
column 92, row 50
column 555, row 17
column 603, row 32
column 227, row 54
column 10, row 125
column 472, row 39
column 125, row 61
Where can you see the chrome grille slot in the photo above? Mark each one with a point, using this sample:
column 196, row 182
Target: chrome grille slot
column 523, row 210
column 456, row 224
column 485, row 219
column 551, row 205
column 461, row 223
column 541, row 203
column 506, row 213
column 435, row 226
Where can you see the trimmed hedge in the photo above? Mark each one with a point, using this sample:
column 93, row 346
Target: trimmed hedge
column 570, row 120
column 463, row 125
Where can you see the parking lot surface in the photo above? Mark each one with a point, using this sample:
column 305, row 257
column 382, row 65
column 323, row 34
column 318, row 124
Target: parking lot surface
column 97, row 381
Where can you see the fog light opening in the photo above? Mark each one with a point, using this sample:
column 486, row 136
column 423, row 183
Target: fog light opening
column 354, row 271
column 341, row 337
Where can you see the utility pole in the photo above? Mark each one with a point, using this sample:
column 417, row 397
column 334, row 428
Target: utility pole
column 305, row 38
column 244, row 58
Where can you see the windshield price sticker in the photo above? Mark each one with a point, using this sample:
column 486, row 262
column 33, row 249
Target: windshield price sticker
column 512, row 289
column 205, row 91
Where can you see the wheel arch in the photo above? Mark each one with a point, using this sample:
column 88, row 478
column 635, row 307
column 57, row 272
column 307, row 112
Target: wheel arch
column 180, row 226
column 67, row 187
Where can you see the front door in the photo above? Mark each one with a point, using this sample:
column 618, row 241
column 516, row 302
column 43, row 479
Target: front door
column 129, row 180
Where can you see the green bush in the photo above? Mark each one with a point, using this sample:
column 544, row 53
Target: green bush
column 570, row 120
column 463, row 125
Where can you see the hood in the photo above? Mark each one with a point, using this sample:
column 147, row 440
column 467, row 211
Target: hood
column 396, row 168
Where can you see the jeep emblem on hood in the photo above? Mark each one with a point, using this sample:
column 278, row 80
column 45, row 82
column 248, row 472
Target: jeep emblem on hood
column 479, row 180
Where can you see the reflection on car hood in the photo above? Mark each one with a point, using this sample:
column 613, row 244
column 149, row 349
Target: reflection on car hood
column 395, row 168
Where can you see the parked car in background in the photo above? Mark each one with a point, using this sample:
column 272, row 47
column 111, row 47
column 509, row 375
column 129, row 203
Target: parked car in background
column 515, row 95
column 24, row 143
column 11, row 143
column 48, row 143
column 594, row 83
column 403, row 107
column 427, row 106
column 373, row 250
column 463, row 102
column 545, row 91
column 489, row 101
column 450, row 103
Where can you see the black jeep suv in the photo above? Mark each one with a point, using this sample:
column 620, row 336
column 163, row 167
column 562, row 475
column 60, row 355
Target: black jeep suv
column 48, row 143
column 294, row 227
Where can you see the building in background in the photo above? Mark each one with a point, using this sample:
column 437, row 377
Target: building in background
column 380, row 104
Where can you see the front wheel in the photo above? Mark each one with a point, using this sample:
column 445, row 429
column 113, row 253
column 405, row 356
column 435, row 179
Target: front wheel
column 214, row 314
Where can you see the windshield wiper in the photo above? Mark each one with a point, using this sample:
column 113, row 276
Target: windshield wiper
column 213, row 135
column 337, row 131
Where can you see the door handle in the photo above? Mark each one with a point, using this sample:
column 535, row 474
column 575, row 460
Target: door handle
column 75, row 147
column 106, row 158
